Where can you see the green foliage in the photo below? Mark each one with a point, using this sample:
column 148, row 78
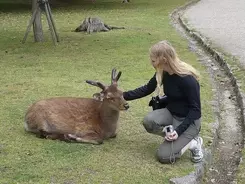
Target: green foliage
column 34, row 71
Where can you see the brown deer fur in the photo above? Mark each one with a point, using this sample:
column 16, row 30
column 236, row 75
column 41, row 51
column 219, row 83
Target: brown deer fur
column 86, row 120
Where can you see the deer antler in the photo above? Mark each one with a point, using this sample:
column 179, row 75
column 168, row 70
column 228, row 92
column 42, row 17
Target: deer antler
column 115, row 77
column 118, row 75
column 98, row 84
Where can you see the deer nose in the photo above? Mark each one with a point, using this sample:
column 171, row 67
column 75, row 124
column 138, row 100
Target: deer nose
column 126, row 106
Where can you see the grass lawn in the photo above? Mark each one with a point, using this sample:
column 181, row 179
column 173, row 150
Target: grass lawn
column 34, row 71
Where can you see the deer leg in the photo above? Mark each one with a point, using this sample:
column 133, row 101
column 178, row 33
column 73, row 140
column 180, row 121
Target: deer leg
column 46, row 135
column 41, row 134
column 113, row 136
column 87, row 138
column 56, row 136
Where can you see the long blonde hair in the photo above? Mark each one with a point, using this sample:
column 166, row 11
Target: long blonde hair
column 163, row 51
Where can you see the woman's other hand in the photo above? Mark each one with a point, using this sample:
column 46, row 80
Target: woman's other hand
column 171, row 136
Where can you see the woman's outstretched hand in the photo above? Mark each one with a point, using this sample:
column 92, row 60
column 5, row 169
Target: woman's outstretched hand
column 171, row 136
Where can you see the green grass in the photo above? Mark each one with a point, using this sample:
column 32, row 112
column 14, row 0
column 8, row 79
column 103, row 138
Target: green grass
column 34, row 71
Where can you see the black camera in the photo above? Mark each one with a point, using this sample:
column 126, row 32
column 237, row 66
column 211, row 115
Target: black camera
column 168, row 129
column 158, row 102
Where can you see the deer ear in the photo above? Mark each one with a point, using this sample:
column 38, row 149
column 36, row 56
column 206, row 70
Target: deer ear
column 99, row 96
column 108, row 95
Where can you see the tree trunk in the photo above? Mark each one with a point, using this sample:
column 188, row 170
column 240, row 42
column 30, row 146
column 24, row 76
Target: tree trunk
column 37, row 25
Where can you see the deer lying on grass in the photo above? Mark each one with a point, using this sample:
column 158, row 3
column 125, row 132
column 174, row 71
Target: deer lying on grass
column 85, row 120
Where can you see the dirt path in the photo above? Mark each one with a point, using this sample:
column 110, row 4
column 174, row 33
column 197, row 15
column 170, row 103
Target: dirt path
column 229, row 141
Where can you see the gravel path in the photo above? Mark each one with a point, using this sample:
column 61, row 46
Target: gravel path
column 223, row 22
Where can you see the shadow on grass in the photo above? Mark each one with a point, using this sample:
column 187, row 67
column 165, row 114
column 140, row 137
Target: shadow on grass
column 20, row 6
column 14, row 7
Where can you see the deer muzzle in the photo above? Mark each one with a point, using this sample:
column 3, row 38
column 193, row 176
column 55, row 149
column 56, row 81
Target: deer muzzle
column 126, row 106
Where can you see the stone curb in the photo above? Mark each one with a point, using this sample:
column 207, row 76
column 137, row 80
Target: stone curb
column 196, row 176
column 223, row 64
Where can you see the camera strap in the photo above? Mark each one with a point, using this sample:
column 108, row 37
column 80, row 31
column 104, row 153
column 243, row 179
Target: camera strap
column 172, row 158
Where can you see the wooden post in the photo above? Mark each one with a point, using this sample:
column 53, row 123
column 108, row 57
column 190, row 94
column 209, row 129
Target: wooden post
column 52, row 20
column 37, row 25
column 37, row 7
column 52, row 30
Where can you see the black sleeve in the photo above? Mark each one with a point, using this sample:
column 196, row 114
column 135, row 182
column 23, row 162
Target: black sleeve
column 141, row 91
column 191, row 89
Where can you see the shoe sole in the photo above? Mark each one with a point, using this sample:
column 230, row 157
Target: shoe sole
column 197, row 161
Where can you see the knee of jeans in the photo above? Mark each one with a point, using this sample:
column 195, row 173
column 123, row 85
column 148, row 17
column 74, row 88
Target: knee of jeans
column 164, row 160
column 166, row 156
column 148, row 124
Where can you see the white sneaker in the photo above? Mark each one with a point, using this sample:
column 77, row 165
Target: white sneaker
column 196, row 149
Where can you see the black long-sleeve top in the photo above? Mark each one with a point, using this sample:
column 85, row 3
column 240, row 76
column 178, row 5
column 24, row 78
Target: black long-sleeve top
column 183, row 96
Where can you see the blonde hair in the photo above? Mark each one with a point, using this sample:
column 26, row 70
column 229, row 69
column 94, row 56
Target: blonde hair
column 163, row 51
